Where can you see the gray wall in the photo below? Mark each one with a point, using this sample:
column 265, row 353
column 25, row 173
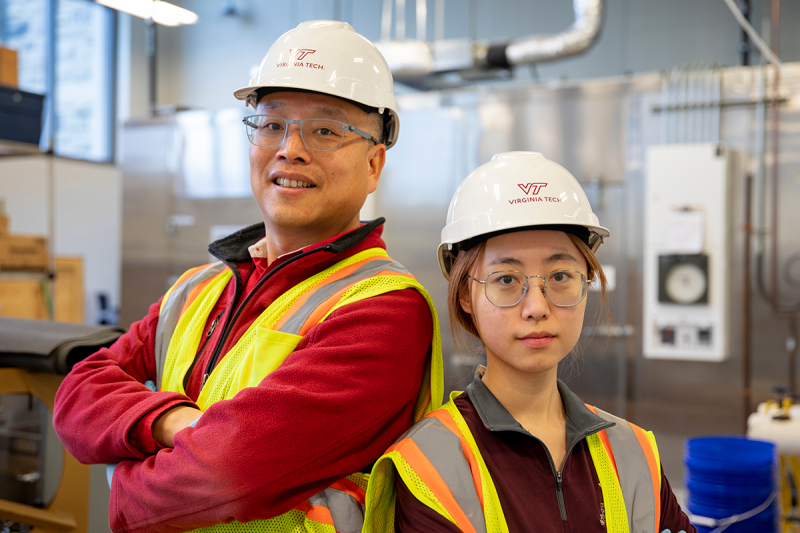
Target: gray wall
column 201, row 65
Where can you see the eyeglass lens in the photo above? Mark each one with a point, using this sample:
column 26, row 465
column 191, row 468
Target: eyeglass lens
column 563, row 287
column 318, row 134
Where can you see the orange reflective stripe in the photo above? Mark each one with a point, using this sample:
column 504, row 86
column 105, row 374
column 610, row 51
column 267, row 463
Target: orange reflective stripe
column 190, row 272
column 345, row 485
column 444, row 417
column 196, row 290
column 320, row 311
column 324, row 307
column 317, row 513
column 607, row 445
column 339, row 274
column 644, row 442
column 430, row 476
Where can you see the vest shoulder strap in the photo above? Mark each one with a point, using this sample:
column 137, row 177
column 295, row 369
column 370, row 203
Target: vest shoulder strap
column 634, row 455
column 182, row 294
column 457, row 486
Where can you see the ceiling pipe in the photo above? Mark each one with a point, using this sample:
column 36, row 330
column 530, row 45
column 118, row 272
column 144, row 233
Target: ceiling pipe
column 576, row 39
column 419, row 63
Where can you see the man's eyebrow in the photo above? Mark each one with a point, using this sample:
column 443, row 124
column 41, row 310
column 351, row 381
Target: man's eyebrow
column 505, row 260
column 321, row 111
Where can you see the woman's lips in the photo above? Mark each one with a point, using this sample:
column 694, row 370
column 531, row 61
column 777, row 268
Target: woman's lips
column 538, row 340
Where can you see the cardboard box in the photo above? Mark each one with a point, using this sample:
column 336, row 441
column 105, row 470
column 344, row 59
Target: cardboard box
column 23, row 298
column 8, row 67
column 23, row 252
column 69, row 290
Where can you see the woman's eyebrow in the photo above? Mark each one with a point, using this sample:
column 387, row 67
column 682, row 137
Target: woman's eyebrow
column 505, row 261
column 561, row 256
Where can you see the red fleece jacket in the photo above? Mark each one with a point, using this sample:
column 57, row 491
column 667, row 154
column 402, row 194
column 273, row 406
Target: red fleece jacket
column 338, row 401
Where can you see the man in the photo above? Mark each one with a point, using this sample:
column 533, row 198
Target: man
column 285, row 370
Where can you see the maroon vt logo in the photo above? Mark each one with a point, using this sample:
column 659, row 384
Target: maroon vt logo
column 300, row 53
column 531, row 188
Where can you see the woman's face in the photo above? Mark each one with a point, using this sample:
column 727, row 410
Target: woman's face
column 534, row 335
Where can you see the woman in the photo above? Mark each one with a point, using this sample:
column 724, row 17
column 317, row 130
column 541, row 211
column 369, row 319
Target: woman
column 518, row 451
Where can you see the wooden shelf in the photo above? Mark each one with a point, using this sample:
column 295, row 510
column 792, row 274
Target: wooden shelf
column 11, row 148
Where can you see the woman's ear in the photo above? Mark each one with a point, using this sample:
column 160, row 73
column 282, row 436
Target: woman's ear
column 465, row 300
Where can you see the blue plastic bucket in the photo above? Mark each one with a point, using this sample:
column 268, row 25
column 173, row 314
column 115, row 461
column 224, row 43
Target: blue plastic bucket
column 727, row 476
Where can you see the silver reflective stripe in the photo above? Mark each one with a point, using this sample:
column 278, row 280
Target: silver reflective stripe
column 171, row 312
column 634, row 475
column 437, row 442
column 346, row 511
column 299, row 317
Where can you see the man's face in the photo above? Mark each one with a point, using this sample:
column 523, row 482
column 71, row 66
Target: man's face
column 306, row 192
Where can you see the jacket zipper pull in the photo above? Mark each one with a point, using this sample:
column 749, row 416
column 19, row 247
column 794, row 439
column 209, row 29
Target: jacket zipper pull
column 213, row 325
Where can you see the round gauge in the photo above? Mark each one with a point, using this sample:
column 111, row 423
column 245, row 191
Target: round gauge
column 685, row 283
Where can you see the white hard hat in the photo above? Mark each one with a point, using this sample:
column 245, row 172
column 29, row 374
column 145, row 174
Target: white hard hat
column 329, row 57
column 514, row 191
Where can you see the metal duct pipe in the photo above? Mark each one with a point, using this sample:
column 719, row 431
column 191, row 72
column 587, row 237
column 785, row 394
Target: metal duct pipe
column 539, row 48
column 418, row 62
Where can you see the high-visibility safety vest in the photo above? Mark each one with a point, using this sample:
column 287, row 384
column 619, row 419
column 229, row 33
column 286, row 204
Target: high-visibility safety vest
column 265, row 345
column 460, row 488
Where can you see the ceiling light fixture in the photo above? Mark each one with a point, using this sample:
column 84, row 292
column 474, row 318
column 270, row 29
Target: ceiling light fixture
column 160, row 12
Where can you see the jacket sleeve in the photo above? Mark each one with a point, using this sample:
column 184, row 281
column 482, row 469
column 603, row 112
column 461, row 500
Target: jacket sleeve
column 672, row 516
column 337, row 402
column 101, row 402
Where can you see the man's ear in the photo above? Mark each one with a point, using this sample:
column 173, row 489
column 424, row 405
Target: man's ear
column 376, row 158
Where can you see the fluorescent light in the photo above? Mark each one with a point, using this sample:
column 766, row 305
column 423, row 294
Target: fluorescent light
column 161, row 12
column 172, row 15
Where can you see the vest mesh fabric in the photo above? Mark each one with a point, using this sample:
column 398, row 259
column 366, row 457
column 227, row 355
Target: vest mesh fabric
column 294, row 521
column 218, row 384
column 185, row 342
column 190, row 330
column 616, row 516
column 492, row 510
column 419, row 488
column 378, row 285
column 652, row 439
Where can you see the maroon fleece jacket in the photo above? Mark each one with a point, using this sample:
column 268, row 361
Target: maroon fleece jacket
column 338, row 401
column 521, row 468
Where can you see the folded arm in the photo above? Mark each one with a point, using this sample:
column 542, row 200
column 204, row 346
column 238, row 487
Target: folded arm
column 103, row 411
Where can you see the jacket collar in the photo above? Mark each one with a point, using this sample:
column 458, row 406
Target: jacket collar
column 581, row 422
column 234, row 247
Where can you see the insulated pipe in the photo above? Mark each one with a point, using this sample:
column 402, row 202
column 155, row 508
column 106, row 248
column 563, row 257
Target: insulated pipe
column 540, row 48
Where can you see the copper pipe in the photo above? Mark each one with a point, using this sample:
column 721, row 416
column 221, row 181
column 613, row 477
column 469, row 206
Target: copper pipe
column 748, row 231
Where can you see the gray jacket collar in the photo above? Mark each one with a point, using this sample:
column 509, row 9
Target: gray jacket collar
column 581, row 422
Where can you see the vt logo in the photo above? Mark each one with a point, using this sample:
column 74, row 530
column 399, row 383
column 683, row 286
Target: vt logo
column 301, row 53
column 531, row 188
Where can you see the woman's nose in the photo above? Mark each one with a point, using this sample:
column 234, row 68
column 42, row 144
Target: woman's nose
column 535, row 303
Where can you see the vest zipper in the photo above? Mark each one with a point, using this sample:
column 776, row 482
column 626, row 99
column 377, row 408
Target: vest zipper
column 232, row 317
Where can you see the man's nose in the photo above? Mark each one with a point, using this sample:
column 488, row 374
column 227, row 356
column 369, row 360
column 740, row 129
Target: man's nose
column 293, row 147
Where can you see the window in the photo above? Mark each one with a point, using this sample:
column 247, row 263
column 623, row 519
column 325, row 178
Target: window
column 69, row 58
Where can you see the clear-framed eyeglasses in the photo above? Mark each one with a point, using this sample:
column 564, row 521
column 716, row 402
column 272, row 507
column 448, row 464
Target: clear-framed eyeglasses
column 320, row 134
column 507, row 288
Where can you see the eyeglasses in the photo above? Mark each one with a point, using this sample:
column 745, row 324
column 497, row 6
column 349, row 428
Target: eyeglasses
column 507, row 288
column 320, row 134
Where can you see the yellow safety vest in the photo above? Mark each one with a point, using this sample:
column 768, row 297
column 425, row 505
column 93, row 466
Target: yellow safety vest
column 460, row 488
column 266, row 344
